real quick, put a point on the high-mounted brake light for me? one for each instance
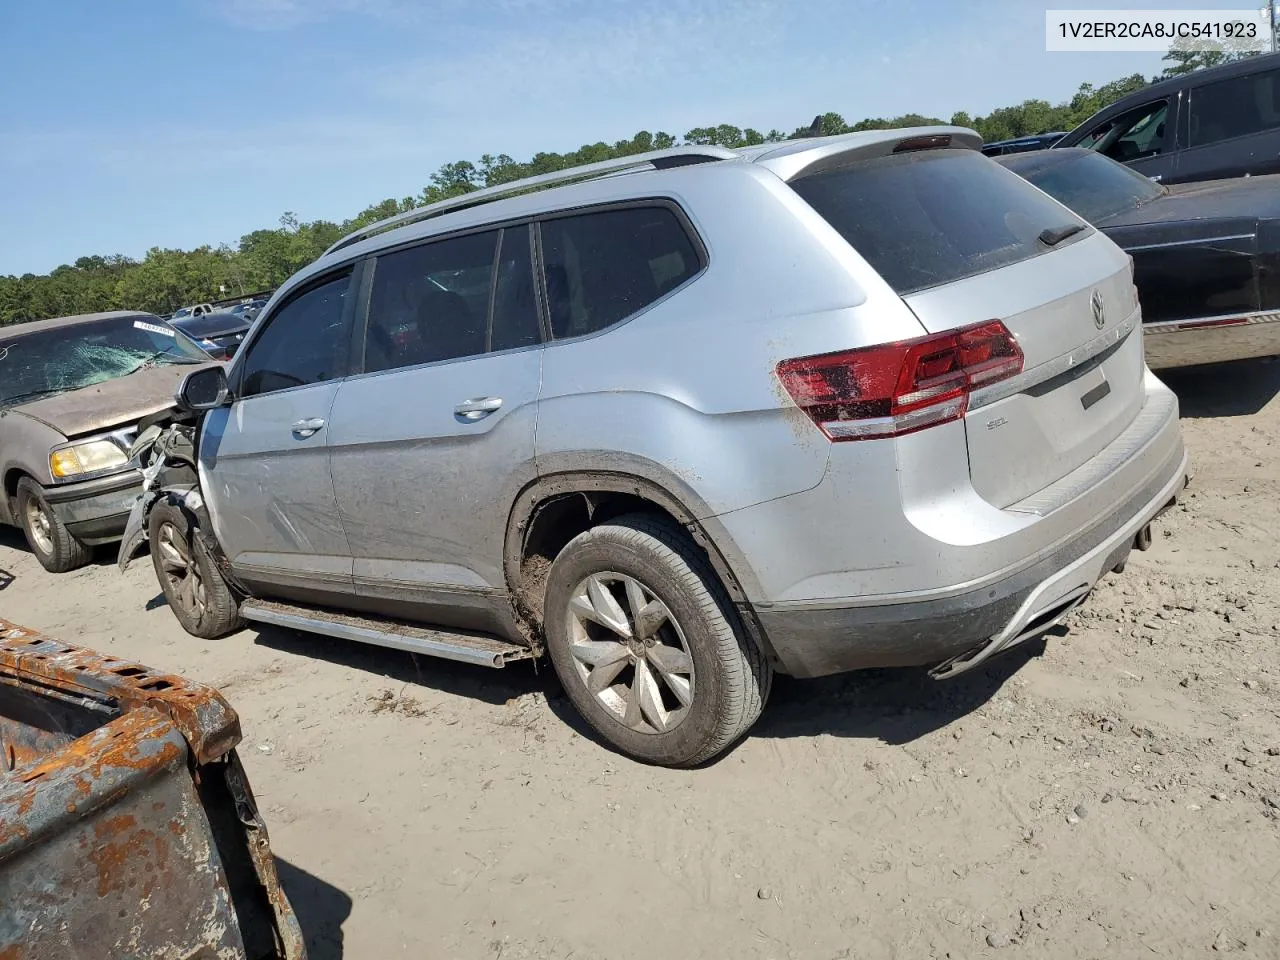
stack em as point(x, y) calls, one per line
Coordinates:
point(897, 388)
point(933, 142)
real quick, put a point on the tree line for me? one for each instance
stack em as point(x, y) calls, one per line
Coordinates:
point(164, 280)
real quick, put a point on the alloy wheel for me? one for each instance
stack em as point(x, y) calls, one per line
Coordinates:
point(630, 652)
point(181, 571)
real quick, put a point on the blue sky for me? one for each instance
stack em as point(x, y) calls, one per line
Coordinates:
point(138, 123)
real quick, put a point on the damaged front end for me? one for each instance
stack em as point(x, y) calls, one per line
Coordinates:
point(166, 451)
point(127, 826)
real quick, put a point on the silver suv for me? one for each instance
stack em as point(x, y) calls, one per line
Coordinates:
point(682, 421)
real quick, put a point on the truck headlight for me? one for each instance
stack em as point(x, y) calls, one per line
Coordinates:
point(89, 457)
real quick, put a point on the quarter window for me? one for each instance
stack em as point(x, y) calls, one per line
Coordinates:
point(1235, 108)
point(604, 266)
point(304, 342)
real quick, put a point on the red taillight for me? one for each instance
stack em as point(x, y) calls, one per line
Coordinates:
point(897, 388)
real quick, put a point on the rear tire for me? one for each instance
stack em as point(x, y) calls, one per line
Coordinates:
point(48, 537)
point(195, 589)
point(679, 680)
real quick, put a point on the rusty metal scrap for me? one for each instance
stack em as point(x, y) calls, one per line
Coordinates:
point(127, 826)
point(208, 723)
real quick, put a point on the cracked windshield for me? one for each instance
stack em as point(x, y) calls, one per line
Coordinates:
point(48, 362)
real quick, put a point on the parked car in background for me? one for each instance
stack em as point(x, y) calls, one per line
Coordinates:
point(199, 310)
point(220, 333)
point(1041, 141)
point(72, 391)
point(1206, 255)
point(1206, 125)
point(248, 310)
point(686, 419)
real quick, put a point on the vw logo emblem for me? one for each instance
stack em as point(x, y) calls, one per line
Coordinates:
point(1099, 314)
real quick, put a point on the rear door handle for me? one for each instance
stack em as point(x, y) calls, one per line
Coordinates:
point(478, 408)
point(307, 428)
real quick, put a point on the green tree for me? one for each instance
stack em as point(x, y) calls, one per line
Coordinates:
point(1185, 61)
point(167, 279)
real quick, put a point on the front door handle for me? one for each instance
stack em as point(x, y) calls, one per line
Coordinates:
point(478, 408)
point(307, 428)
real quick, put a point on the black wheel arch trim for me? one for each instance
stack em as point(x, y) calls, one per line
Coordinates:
point(708, 533)
point(689, 510)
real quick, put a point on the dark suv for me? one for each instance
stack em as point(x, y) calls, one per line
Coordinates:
point(1207, 125)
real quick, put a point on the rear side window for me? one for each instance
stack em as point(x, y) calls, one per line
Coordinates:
point(451, 299)
point(304, 342)
point(928, 218)
point(604, 266)
point(430, 302)
point(1235, 108)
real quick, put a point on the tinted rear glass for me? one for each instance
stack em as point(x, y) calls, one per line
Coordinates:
point(928, 218)
point(1235, 108)
point(602, 267)
point(1094, 186)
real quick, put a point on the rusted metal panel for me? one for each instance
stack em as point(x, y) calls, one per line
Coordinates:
point(127, 826)
point(206, 720)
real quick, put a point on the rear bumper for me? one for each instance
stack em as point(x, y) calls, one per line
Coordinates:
point(96, 511)
point(1188, 343)
point(814, 642)
point(1079, 531)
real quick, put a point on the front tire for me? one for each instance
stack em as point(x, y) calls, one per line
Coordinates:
point(48, 537)
point(647, 644)
point(195, 589)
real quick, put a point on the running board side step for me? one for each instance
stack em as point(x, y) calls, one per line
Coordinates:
point(445, 644)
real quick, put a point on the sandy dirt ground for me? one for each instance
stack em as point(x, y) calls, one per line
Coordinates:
point(1113, 791)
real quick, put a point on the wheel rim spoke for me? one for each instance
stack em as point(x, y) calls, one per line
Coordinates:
point(171, 557)
point(644, 691)
point(602, 677)
point(632, 716)
point(598, 653)
point(197, 592)
point(650, 617)
point(40, 525)
point(185, 594)
point(605, 609)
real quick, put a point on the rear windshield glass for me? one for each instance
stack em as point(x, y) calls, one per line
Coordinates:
point(927, 218)
point(1094, 186)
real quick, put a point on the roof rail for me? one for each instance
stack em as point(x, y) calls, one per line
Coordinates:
point(654, 160)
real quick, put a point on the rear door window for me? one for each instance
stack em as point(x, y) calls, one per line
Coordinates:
point(1235, 108)
point(451, 299)
point(932, 217)
point(430, 302)
point(602, 267)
